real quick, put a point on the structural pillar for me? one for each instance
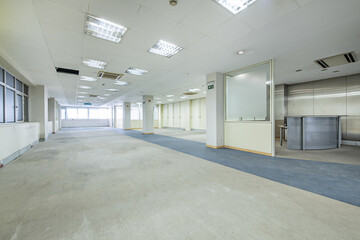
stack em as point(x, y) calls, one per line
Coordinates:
point(215, 110)
point(38, 109)
point(52, 113)
point(148, 115)
point(126, 116)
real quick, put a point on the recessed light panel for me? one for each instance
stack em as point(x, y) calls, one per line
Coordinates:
point(93, 63)
point(165, 49)
point(194, 89)
point(104, 29)
point(121, 83)
point(183, 97)
point(84, 87)
point(136, 71)
point(169, 95)
point(112, 90)
point(89, 79)
point(235, 6)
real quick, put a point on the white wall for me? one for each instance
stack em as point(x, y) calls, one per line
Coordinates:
point(14, 137)
point(74, 123)
point(190, 114)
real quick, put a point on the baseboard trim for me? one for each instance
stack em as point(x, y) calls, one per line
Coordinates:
point(215, 147)
point(18, 153)
point(248, 150)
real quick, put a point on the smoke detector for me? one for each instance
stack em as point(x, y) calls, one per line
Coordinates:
point(173, 2)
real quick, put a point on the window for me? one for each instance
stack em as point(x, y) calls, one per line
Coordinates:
point(18, 85)
point(14, 99)
point(26, 109)
point(1, 104)
point(135, 113)
point(10, 80)
point(248, 93)
point(10, 105)
point(19, 108)
point(71, 113)
point(83, 113)
point(63, 116)
point(1, 75)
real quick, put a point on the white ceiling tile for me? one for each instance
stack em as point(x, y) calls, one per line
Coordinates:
point(164, 8)
point(206, 16)
point(264, 12)
point(62, 36)
point(79, 5)
point(57, 15)
point(204, 45)
point(120, 12)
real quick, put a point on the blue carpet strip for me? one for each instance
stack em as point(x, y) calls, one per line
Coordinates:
point(333, 180)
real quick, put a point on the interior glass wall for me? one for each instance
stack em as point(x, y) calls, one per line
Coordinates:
point(68, 113)
point(248, 94)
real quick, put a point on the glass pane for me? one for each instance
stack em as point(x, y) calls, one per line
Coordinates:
point(247, 94)
point(94, 113)
point(10, 80)
point(18, 85)
point(26, 89)
point(71, 113)
point(1, 104)
point(103, 113)
point(63, 114)
point(135, 114)
point(1, 75)
point(10, 105)
point(26, 109)
point(82, 113)
point(19, 108)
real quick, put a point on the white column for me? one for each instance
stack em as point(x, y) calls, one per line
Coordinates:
point(148, 115)
point(38, 109)
point(52, 113)
point(160, 107)
point(126, 116)
point(215, 110)
point(115, 116)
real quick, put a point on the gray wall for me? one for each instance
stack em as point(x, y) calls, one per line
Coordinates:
point(335, 96)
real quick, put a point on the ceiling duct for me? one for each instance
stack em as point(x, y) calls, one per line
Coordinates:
point(337, 60)
point(190, 93)
point(109, 75)
point(67, 71)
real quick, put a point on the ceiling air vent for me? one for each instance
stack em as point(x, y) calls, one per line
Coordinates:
point(337, 60)
point(190, 93)
point(109, 75)
point(93, 96)
point(67, 70)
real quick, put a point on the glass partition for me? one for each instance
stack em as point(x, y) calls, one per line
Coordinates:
point(247, 94)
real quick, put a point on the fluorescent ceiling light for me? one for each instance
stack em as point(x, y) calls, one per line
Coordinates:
point(93, 63)
point(136, 71)
point(194, 89)
point(157, 98)
point(81, 96)
point(204, 92)
point(183, 97)
point(165, 49)
point(106, 94)
point(82, 92)
point(169, 95)
point(84, 87)
point(235, 6)
point(101, 98)
point(101, 28)
point(240, 52)
point(112, 90)
point(89, 79)
point(121, 83)
point(170, 100)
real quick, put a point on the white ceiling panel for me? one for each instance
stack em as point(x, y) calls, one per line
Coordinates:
point(176, 13)
point(120, 12)
point(79, 5)
point(63, 36)
point(264, 12)
point(206, 16)
point(59, 16)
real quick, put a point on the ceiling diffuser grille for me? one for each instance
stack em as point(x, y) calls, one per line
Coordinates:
point(190, 93)
point(337, 60)
point(109, 75)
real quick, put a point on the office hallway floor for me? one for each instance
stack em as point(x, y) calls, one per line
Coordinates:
point(102, 184)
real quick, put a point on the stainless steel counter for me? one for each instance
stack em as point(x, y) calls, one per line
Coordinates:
point(313, 132)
